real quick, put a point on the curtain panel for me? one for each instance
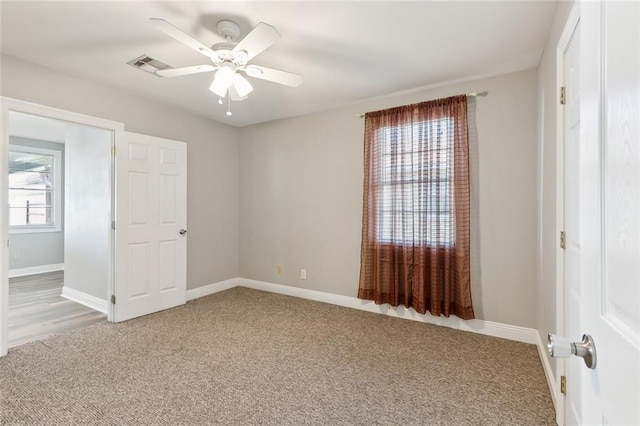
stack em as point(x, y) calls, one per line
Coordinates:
point(416, 208)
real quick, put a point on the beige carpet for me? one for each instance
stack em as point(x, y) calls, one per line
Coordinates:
point(249, 357)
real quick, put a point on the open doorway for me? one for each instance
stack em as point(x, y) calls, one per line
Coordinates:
point(43, 196)
point(151, 191)
point(60, 178)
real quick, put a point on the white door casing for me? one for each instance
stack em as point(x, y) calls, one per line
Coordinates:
point(610, 209)
point(151, 209)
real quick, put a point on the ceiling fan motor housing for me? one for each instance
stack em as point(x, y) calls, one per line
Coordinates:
point(228, 29)
point(224, 50)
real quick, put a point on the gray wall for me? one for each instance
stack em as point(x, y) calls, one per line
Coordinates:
point(301, 185)
point(213, 150)
point(87, 235)
point(301, 197)
point(547, 181)
point(38, 248)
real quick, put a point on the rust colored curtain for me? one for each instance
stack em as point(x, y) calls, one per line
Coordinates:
point(416, 208)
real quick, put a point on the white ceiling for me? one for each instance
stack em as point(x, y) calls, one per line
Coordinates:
point(346, 51)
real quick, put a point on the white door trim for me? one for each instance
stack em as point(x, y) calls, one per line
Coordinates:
point(563, 42)
point(10, 104)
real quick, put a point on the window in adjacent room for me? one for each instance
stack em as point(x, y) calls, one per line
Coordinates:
point(34, 194)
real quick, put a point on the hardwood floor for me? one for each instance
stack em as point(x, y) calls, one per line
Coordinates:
point(37, 309)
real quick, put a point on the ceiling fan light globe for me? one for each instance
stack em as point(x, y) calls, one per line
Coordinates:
point(233, 94)
point(225, 74)
point(219, 87)
point(242, 85)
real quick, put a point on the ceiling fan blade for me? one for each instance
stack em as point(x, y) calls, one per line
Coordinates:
point(176, 72)
point(276, 76)
point(260, 38)
point(176, 33)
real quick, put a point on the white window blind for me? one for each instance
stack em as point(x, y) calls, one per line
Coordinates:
point(415, 202)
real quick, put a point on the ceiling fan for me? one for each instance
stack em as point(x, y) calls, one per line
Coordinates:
point(230, 59)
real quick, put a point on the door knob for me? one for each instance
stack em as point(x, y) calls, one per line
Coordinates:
point(183, 232)
point(561, 347)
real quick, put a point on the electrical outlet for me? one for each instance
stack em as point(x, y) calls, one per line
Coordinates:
point(279, 269)
point(303, 274)
point(17, 256)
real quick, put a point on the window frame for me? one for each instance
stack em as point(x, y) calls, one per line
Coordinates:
point(56, 208)
point(384, 235)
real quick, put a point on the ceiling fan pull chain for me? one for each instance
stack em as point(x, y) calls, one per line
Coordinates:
point(220, 100)
point(229, 113)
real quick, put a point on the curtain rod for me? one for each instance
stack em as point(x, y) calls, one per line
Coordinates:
point(472, 94)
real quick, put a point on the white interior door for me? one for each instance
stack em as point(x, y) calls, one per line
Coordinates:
point(571, 195)
point(610, 210)
point(151, 212)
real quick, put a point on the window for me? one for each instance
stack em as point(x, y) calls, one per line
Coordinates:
point(416, 202)
point(34, 195)
point(415, 178)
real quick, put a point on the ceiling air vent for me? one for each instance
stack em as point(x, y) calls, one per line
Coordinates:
point(148, 64)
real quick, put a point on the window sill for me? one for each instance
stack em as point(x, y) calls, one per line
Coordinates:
point(34, 229)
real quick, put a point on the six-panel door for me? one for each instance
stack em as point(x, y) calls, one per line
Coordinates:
point(151, 209)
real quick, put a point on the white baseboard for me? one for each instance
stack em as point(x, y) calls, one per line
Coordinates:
point(489, 328)
point(85, 299)
point(551, 380)
point(511, 332)
point(22, 272)
point(211, 288)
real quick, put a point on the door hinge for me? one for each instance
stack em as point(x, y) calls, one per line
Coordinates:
point(113, 225)
point(563, 385)
point(563, 95)
point(113, 150)
point(563, 239)
point(113, 299)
